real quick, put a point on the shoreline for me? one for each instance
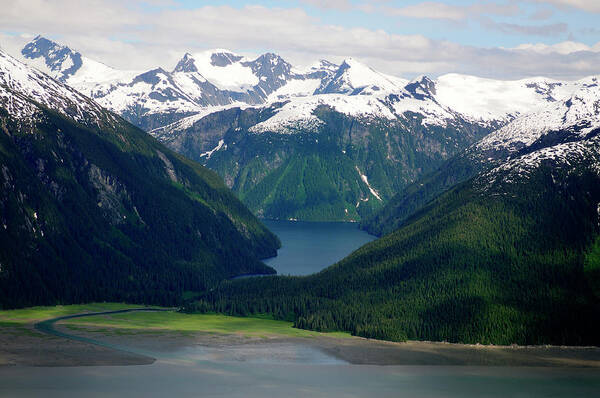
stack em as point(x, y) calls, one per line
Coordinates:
point(62, 341)
point(55, 351)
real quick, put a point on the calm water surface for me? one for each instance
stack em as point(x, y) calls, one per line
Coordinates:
point(179, 378)
point(308, 247)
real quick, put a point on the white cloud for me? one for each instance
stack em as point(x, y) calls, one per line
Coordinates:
point(554, 29)
point(481, 12)
point(13, 43)
point(564, 48)
point(124, 35)
point(329, 4)
point(439, 10)
point(432, 10)
point(586, 5)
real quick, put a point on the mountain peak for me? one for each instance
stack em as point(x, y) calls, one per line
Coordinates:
point(58, 60)
point(222, 58)
point(354, 77)
point(421, 87)
point(271, 57)
point(354, 63)
point(186, 64)
point(325, 64)
point(422, 79)
point(21, 84)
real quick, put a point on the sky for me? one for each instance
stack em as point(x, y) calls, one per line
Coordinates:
point(505, 39)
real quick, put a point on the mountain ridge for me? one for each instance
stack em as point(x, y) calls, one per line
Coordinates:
point(92, 208)
point(247, 118)
point(231, 78)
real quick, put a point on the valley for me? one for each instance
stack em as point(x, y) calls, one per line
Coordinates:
point(327, 142)
point(238, 224)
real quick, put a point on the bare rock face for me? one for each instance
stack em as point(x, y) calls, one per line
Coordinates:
point(168, 166)
point(113, 197)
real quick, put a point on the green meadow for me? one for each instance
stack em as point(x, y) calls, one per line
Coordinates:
point(36, 314)
point(159, 321)
point(208, 323)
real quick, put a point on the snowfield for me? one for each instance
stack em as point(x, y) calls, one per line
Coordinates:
point(205, 82)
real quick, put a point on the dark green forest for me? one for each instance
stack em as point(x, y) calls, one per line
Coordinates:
point(508, 263)
point(108, 213)
point(316, 175)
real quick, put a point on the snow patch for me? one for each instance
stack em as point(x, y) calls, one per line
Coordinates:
point(208, 154)
point(366, 181)
point(234, 77)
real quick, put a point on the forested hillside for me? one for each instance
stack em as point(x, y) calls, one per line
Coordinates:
point(509, 256)
point(344, 169)
point(93, 208)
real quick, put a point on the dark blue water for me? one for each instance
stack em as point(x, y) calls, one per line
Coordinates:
point(308, 247)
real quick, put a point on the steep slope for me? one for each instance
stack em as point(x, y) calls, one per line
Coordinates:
point(509, 256)
point(568, 120)
point(331, 142)
point(363, 137)
point(92, 208)
point(323, 157)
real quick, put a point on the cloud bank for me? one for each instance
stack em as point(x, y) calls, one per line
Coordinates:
point(132, 35)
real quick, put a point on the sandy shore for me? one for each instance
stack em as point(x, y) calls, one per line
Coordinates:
point(35, 349)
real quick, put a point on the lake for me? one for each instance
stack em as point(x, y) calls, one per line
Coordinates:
point(308, 247)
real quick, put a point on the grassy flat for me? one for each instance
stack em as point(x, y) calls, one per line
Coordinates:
point(158, 321)
point(209, 323)
point(36, 314)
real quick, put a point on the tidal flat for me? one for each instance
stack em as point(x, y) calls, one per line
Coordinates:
point(214, 356)
point(133, 338)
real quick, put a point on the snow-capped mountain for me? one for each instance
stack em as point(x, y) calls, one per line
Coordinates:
point(354, 78)
point(248, 119)
point(490, 103)
point(71, 67)
point(157, 97)
point(20, 83)
point(77, 181)
point(561, 135)
point(390, 118)
point(240, 78)
point(489, 100)
point(218, 78)
point(569, 119)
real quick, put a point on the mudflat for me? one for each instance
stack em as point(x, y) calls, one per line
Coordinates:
point(241, 347)
point(22, 345)
point(137, 338)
